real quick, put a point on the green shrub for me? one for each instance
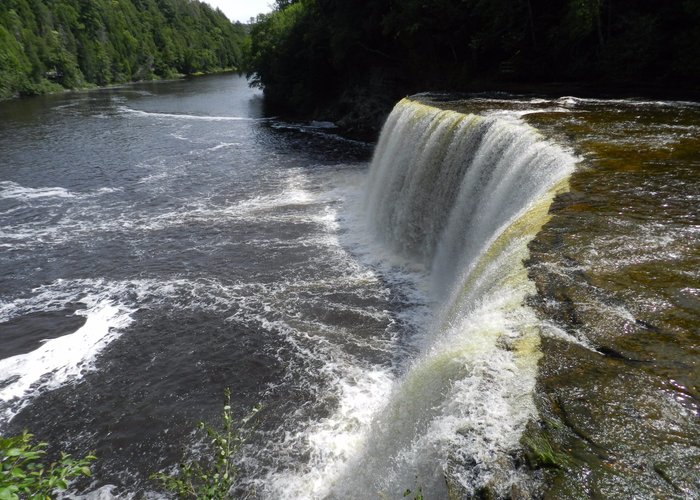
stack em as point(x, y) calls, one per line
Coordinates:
point(212, 476)
point(23, 474)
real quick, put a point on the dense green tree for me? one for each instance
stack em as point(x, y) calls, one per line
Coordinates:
point(15, 65)
point(48, 44)
point(335, 54)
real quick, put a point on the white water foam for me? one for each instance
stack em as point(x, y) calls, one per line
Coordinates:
point(354, 388)
point(516, 114)
point(462, 195)
point(12, 190)
point(551, 330)
point(572, 101)
point(61, 360)
point(137, 112)
point(331, 441)
point(90, 217)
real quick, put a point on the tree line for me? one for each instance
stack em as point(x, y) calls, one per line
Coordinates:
point(46, 45)
point(312, 54)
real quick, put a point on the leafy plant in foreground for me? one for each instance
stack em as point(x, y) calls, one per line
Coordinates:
point(213, 476)
point(24, 475)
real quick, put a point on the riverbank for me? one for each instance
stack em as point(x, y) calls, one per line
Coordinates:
point(49, 88)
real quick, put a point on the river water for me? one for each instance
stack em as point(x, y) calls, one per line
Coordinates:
point(162, 242)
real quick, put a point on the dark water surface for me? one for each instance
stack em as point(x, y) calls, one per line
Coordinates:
point(188, 245)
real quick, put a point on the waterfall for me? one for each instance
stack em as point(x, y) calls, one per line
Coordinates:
point(463, 195)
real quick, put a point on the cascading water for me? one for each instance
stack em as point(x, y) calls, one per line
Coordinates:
point(462, 195)
point(383, 330)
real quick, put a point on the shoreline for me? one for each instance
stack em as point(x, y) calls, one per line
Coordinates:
point(176, 77)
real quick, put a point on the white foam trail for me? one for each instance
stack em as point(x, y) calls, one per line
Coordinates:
point(224, 145)
point(106, 190)
point(179, 137)
point(551, 330)
point(572, 101)
point(138, 112)
point(61, 360)
point(516, 115)
point(12, 190)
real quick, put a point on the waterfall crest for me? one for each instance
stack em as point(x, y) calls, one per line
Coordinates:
point(463, 195)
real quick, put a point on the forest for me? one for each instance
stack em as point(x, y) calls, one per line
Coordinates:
point(350, 60)
point(46, 45)
point(355, 58)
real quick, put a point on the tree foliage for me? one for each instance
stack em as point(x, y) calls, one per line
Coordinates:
point(49, 44)
point(308, 53)
point(24, 474)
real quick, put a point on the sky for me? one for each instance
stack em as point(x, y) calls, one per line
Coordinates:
point(241, 10)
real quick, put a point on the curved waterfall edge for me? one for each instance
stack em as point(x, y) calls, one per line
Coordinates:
point(464, 195)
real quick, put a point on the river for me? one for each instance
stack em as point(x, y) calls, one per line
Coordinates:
point(162, 242)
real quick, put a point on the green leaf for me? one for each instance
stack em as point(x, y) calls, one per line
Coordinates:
point(7, 494)
point(18, 473)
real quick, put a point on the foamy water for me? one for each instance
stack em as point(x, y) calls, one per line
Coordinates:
point(61, 360)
